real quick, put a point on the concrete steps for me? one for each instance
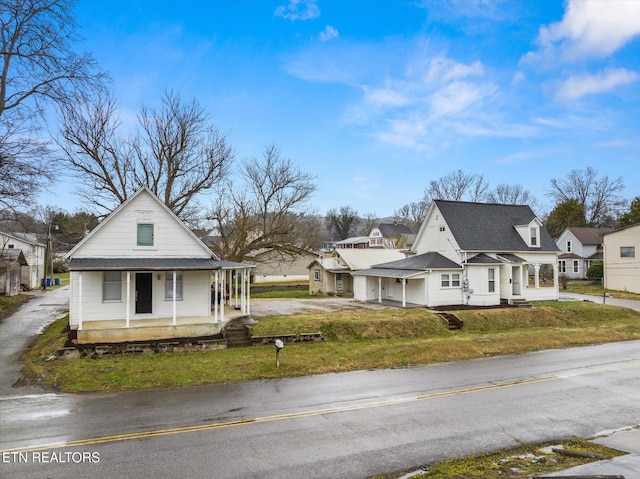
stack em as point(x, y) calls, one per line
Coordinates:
point(237, 336)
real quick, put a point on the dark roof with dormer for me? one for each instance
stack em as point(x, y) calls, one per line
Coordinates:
point(491, 227)
point(394, 230)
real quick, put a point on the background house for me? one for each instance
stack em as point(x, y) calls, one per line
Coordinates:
point(355, 242)
point(331, 274)
point(271, 264)
point(391, 235)
point(621, 260)
point(579, 248)
point(468, 253)
point(11, 263)
point(32, 272)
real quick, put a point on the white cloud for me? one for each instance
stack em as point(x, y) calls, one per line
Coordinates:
point(457, 97)
point(444, 70)
point(578, 86)
point(588, 29)
point(385, 97)
point(298, 10)
point(329, 33)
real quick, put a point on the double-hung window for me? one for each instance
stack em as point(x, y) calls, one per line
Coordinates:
point(168, 285)
point(111, 286)
point(492, 280)
point(444, 280)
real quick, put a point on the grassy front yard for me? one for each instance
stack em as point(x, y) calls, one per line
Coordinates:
point(587, 287)
point(354, 341)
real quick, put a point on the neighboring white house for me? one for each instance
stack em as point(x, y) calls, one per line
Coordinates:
point(579, 248)
point(33, 252)
point(331, 274)
point(272, 264)
point(622, 259)
point(141, 274)
point(391, 235)
point(468, 253)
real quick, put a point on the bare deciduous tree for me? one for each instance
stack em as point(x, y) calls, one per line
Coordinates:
point(457, 186)
point(598, 197)
point(413, 214)
point(38, 67)
point(367, 223)
point(176, 152)
point(512, 195)
point(343, 222)
point(268, 207)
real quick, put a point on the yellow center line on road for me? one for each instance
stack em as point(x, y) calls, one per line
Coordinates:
point(316, 412)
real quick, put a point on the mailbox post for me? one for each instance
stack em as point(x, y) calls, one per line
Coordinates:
point(279, 345)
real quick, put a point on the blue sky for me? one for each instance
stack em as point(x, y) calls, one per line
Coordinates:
point(377, 98)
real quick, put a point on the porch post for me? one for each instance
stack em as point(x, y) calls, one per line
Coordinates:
point(79, 300)
point(128, 302)
point(223, 292)
point(174, 297)
point(379, 289)
point(236, 288)
point(536, 272)
point(404, 292)
point(215, 296)
point(249, 293)
point(242, 300)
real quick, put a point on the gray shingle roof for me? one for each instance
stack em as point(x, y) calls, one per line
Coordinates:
point(490, 227)
point(590, 236)
point(393, 230)
point(405, 268)
point(483, 259)
point(421, 262)
point(150, 264)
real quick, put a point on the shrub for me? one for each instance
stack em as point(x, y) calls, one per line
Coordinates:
point(596, 270)
point(563, 280)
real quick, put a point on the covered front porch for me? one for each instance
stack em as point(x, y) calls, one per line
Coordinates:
point(155, 299)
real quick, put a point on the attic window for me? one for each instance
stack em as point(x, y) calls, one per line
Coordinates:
point(145, 234)
point(10, 246)
point(442, 228)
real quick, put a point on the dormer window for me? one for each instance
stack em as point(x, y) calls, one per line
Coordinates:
point(534, 236)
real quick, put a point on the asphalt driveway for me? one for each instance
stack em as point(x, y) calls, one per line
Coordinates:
point(20, 329)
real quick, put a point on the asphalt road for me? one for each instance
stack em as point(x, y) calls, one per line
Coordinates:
point(351, 425)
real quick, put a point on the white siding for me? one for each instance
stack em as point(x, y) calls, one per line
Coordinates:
point(196, 297)
point(435, 235)
point(116, 238)
point(622, 273)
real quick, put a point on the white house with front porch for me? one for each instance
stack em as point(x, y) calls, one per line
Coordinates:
point(477, 254)
point(142, 275)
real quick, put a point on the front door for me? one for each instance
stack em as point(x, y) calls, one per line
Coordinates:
point(144, 292)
